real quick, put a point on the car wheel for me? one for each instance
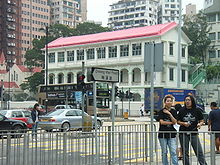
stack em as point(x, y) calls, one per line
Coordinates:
point(65, 127)
point(17, 131)
point(99, 124)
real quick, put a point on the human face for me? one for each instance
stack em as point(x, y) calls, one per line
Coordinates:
point(188, 102)
point(168, 103)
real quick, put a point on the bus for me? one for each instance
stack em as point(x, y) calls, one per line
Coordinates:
point(68, 94)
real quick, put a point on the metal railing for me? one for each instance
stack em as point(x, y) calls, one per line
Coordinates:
point(131, 146)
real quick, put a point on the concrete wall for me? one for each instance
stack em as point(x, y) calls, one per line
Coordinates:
point(19, 105)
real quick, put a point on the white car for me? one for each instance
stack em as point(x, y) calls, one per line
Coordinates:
point(64, 107)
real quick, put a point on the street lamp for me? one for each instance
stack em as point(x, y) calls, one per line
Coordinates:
point(46, 67)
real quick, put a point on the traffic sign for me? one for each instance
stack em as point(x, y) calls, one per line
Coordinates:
point(103, 74)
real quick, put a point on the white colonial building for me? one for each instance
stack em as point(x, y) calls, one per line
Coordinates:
point(122, 50)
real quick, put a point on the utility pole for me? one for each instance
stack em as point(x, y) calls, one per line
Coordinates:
point(179, 46)
point(2, 86)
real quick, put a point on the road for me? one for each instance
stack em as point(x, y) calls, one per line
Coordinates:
point(131, 145)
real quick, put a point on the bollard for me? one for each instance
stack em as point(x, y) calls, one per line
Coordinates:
point(125, 113)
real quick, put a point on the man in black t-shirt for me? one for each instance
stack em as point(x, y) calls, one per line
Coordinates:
point(214, 124)
point(190, 119)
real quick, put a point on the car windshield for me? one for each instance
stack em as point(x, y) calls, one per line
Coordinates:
point(3, 112)
point(55, 113)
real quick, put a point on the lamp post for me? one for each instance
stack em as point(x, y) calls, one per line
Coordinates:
point(46, 70)
point(179, 46)
point(46, 66)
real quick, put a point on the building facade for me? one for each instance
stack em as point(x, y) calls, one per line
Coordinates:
point(190, 9)
point(133, 13)
point(212, 9)
point(35, 15)
point(65, 12)
point(122, 50)
point(168, 11)
point(10, 27)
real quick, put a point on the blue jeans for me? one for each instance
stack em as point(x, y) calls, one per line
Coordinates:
point(34, 129)
point(171, 143)
point(196, 145)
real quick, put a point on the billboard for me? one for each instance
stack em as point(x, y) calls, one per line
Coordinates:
point(208, 3)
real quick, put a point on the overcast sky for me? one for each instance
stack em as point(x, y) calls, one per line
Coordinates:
point(98, 9)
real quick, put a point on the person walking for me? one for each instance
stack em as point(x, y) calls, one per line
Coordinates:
point(141, 110)
point(190, 119)
point(35, 118)
point(214, 124)
point(167, 119)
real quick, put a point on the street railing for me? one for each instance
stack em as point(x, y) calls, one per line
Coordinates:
point(131, 146)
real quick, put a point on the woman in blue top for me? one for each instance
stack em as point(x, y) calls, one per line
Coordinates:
point(167, 118)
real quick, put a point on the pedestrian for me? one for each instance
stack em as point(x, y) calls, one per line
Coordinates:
point(214, 124)
point(141, 110)
point(35, 118)
point(190, 119)
point(167, 119)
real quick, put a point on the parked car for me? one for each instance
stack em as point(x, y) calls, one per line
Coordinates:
point(14, 126)
point(66, 119)
point(19, 114)
point(64, 107)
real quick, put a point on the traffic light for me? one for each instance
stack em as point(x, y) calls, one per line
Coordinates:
point(128, 95)
point(116, 91)
point(80, 81)
point(121, 95)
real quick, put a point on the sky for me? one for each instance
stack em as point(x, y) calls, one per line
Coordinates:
point(98, 9)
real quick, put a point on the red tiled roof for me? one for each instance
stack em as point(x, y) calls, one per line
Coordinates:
point(23, 68)
point(146, 31)
point(3, 71)
point(12, 85)
point(36, 69)
point(2, 58)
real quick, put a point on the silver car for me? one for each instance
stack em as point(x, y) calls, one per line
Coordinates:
point(66, 119)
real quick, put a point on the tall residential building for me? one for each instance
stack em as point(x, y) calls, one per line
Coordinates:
point(190, 9)
point(83, 9)
point(10, 21)
point(35, 16)
point(65, 12)
point(168, 11)
point(133, 13)
point(212, 9)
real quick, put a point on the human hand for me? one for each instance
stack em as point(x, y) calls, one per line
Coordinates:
point(186, 124)
point(199, 125)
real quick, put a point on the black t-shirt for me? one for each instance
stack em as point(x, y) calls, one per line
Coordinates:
point(214, 116)
point(168, 128)
point(192, 116)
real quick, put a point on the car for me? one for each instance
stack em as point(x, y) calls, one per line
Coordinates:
point(14, 126)
point(19, 114)
point(63, 107)
point(67, 119)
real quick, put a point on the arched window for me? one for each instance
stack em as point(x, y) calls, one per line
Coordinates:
point(51, 79)
point(60, 78)
point(136, 75)
point(69, 77)
point(137, 97)
point(124, 76)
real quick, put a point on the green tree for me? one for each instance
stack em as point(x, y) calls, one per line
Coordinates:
point(197, 29)
point(89, 28)
point(33, 81)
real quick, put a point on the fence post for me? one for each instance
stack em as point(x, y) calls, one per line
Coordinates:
point(146, 142)
point(8, 152)
point(64, 148)
point(109, 145)
point(121, 149)
point(212, 152)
